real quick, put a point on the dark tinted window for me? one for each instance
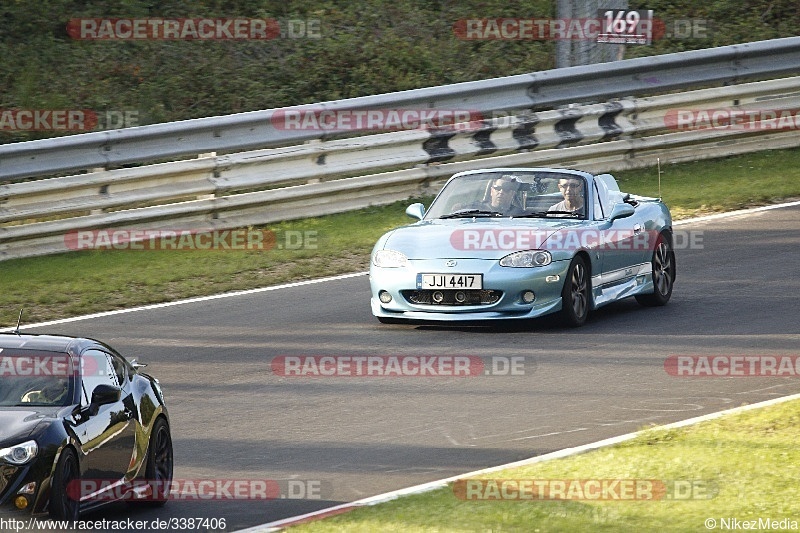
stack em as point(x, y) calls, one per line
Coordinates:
point(97, 370)
point(36, 378)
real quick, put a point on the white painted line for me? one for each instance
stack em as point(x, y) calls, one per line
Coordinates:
point(740, 212)
point(186, 301)
point(442, 483)
point(334, 278)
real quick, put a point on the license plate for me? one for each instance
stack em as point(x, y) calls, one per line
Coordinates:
point(449, 281)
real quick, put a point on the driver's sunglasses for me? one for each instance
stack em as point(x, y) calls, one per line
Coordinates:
point(501, 188)
point(571, 185)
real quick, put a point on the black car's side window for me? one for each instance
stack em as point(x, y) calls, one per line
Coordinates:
point(119, 369)
point(97, 370)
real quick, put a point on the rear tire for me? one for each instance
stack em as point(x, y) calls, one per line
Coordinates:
point(575, 294)
point(63, 505)
point(663, 274)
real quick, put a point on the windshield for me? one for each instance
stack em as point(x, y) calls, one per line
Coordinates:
point(512, 194)
point(36, 379)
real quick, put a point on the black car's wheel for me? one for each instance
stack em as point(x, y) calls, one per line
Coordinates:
point(575, 294)
point(159, 463)
point(663, 274)
point(64, 500)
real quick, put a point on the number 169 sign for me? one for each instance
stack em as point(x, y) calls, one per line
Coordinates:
point(625, 26)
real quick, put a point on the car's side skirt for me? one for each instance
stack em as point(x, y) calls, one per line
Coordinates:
point(621, 283)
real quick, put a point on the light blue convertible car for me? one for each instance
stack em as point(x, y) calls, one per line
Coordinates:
point(515, 243)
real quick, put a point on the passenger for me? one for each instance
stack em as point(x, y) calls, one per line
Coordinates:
point(572, 189)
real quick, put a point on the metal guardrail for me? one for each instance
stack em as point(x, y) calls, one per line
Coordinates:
point(246, 131)
point(222, 175)
point(270, 185)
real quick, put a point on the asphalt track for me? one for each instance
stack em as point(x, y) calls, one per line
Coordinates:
point(232, 418)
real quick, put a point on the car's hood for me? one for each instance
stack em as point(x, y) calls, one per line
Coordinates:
point(16, 424)
point(479, 238)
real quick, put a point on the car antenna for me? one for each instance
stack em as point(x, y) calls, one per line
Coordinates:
point(658, 161)
point(19, 320)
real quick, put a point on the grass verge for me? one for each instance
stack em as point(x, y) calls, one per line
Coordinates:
point(86, 282)
point(741, 467)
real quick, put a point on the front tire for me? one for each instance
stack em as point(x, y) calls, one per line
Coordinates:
point(575, 294)
point(159, 463)
point(64, 499)
point(663, 274)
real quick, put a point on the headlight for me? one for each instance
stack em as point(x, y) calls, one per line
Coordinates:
point(389, 259)
point(527, 259)
point(19, 454)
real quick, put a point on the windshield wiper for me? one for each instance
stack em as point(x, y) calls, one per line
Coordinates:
point(472, 213)
point(543, 214)
point(537, 214)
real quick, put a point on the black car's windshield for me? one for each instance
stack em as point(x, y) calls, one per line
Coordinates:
point(530, 194)
point(35, 379)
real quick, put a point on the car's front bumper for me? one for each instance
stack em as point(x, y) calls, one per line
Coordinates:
point(18, 478)
point(545, 282)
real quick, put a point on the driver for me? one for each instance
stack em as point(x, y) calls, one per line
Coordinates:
point(52, 393)
point(500, 196)
point(502, 193)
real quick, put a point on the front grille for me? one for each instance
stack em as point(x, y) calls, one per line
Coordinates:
point(453, 297)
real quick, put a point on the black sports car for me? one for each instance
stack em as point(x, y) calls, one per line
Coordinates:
point(77, 422)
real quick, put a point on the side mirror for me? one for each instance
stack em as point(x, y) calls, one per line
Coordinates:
point(621, 210)
point(416, 211)
point(104, 395)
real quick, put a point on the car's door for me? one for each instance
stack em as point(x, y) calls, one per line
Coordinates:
point(106, 433)
point(624, 239)
point(131, 400)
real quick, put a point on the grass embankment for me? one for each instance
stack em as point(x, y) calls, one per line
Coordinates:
point(91, 281)
point(743, 467)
